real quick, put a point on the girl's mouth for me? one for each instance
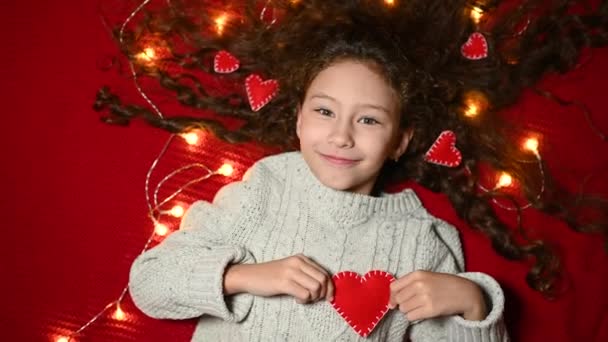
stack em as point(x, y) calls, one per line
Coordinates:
point(338, 160)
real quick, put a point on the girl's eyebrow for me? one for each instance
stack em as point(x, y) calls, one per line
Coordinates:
point(364, 105)
point(323, 96)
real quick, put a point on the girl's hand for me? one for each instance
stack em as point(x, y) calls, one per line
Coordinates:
point(297, 276)
point(423, 294)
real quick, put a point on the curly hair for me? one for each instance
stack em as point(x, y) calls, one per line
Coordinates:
point(415, 46)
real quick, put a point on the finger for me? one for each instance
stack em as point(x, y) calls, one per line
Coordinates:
point(406, 294)
point(319, 275)
point(407, 280)
point(410, 304)
point(313, 285)
point(315, 265)
point(418, 313)
point(300, 293)
point(330, 290)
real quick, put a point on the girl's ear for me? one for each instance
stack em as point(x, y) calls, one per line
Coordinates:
point(402, 143)
point(298, 123)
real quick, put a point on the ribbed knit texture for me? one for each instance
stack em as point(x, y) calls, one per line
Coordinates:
point(280, 209)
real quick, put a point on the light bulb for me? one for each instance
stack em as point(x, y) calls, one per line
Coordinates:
point(504, 180)
point(119, 314)
point(191, 138)
point(147, 56)
point(472, 110)
point(161, 229)
point(226, 170)
point(177, 211)
point(475, 103)
point(476, 14)
point(531, 144)
point(389, 2)
point(62, 339)
point(220, 23)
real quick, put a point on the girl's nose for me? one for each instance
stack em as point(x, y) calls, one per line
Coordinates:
point(341, 136)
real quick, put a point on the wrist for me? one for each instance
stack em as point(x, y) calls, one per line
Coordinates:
point(476, 313)
point(477, 310)
point(234, 279)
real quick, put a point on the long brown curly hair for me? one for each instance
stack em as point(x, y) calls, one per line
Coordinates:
point(415, 45)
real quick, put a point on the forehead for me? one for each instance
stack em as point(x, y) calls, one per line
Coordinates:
point(354, 82)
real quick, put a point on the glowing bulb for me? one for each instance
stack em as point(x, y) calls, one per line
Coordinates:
point(220, 23)
point(226, 170)
point(148, 55)
point(119, 314)
point(191, 138)
point(177, 211)
point(472, 110)
point(531, 144)
point(504, 180)
point(476, 14)
point(161, 229)
point(475, 103)
point(62, 339)
point(389, 2)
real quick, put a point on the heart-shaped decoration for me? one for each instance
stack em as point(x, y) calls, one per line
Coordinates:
point(476, 47)
point(260, 92)
point(443, 151)
point(224, 62)
point(362, 301)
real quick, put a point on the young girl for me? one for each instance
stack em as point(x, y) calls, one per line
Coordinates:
point(367, 90)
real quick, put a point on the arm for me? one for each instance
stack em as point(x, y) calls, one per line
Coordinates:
point(440, 251)
point(183, 276)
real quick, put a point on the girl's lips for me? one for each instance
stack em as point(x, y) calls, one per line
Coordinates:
point(338, 161)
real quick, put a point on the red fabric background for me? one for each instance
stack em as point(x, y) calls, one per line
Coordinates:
point(74, 213)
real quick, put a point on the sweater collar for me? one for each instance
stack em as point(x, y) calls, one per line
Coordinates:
point(348, 208)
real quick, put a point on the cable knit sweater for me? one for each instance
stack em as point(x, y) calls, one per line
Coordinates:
point(280, 209)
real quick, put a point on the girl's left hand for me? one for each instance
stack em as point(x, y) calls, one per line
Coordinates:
point(424, 294)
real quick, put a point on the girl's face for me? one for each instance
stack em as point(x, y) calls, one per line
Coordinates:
point(348, 125)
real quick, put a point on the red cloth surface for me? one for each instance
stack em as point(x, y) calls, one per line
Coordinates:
point(74, 214)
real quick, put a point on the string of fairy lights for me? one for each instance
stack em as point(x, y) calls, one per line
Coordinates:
point(474, 105)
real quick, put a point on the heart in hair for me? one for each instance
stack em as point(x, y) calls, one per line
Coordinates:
point(476, 47)
point(260, 92)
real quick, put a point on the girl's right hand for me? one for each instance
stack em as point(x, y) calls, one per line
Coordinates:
point(297, 276)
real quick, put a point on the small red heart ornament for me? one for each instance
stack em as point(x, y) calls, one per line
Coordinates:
point(362, 301)
point(260, 92)
point(224, 62)
point(476, 47)
point(443, 151)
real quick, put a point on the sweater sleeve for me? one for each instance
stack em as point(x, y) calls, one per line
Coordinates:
point(182, 277)
point(439, 250)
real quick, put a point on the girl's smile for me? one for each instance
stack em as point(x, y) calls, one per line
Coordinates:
point(339, 161)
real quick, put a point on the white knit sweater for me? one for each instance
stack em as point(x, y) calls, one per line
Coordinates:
point(280, 209)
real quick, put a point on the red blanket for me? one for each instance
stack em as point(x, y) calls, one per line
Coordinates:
point(74, 216)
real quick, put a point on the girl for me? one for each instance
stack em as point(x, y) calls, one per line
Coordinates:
point(367, 90)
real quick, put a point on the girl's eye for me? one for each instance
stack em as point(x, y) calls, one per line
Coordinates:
point(369, 121)
point(323, 111)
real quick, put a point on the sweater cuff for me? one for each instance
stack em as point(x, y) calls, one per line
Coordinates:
point(206, 284)
point(492, 328)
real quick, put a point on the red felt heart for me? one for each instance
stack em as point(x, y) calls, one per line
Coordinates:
point(476, 47)
point(225, 63)
point(443, 151)
point(362, 301)
point(260, 92)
